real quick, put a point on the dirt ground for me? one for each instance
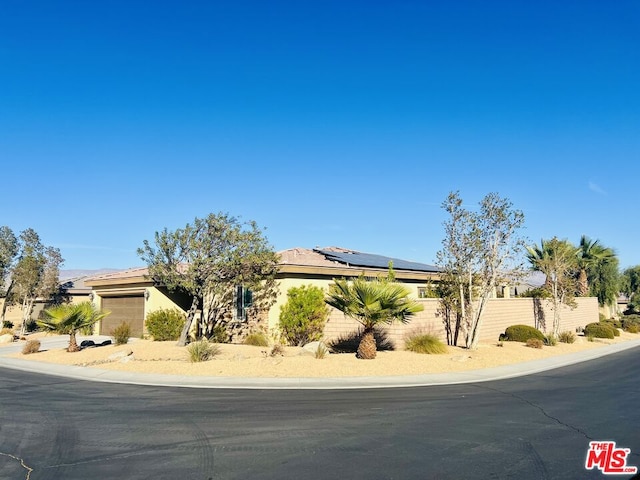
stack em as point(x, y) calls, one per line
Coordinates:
point(250, 361)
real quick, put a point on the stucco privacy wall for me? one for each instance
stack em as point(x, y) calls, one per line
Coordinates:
point(499, 314)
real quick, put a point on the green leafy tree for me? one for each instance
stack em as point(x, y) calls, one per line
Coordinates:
point(35, 275)
point(9, 249)
point(558, 260)
point(303, 317)
point(208, 260)
point(630, 286)
point(69, 319)
point(479, 250)
point(372, 302)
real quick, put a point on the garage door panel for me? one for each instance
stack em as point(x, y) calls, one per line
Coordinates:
point(128, 309)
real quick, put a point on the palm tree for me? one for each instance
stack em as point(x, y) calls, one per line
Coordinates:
point(372, 302)
point(557, 259)
point(71, 318)
point(591, 254)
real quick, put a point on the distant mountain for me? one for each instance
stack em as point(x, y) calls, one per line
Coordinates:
point(66, 274)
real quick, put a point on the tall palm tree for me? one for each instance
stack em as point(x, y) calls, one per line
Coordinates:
point(591, 254)
point(370, 303)
point(68, 319)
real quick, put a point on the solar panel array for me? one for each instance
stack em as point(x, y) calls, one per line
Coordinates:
point(359, 259)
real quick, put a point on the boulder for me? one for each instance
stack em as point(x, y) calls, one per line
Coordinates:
point(6, 338)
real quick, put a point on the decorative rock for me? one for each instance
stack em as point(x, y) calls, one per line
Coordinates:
point(311, 348)
point(118, 356)
point(7, 338)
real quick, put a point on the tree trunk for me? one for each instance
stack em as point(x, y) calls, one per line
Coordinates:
point(367, 347)
point(187, 325)
point(583, 283)
point(73, 344)
point(4, 304)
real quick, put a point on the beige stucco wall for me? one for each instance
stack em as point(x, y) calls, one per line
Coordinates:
point(500, 313)
point(285, 284)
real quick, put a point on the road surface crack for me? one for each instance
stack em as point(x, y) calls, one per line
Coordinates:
point(24, 465)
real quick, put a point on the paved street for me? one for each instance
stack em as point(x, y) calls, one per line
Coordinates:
point(530, 427)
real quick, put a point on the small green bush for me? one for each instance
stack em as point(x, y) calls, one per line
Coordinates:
point(630, 321)
point(613, 322)
point(550, 340)
point(303, 317)
point(32, 346)
point(164, 324)
point(121, 333)
point(202, 350)
point(220, 334)
point(7, 324)
point(599, 330)
point(257, 339)
point(534, 343)
point(567, 337)
point(632, 329)
point(522, 333)
point(425, 343)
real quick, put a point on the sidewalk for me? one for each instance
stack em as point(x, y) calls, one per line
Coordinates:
point(472, 376)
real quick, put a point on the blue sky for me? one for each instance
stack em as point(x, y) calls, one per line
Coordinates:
point(328, 123)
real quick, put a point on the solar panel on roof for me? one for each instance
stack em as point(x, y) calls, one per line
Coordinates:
point(360, 259)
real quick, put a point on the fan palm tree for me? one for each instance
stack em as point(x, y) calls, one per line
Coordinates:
point(370, 303)
point(590, 254)
point(71, 318)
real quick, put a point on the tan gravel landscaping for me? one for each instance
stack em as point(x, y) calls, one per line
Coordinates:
point(249, 361)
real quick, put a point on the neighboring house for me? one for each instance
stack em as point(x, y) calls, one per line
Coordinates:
point(72, 290)
point(130, 295)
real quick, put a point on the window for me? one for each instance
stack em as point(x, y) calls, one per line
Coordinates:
point(422, 292)
point(244, 300)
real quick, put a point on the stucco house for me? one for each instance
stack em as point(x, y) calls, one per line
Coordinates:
point(130, 295)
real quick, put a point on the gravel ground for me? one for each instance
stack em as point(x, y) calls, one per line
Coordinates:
point(249, 361)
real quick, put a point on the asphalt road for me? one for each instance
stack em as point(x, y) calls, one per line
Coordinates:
point(534, 427)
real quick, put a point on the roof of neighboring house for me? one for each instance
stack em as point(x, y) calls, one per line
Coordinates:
point(75, 285)
point(131, 275)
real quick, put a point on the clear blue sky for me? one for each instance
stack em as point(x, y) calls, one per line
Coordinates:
point(328, 123)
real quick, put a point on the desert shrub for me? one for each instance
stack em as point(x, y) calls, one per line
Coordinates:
point(591, 338)
point(7, 324)
point(31, 325)
point(522, 333)
point(219, 334)
point(550, 340)
point(599, 330)
point(165, 324)
point(567, 337)
point(425, 343)
point(534, 343)
point(630, 321)
point(277, 350)
point(321, 351)
point(257, 339)
point(632, 329)
point(6, 331)
point(121, 333)
point(613, 322)
point(348, 343)
point(32, 346)
point(202, 350)
point(601, 317)
point(303, 317)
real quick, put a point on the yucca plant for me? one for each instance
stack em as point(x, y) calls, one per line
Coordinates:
point(69, 319)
